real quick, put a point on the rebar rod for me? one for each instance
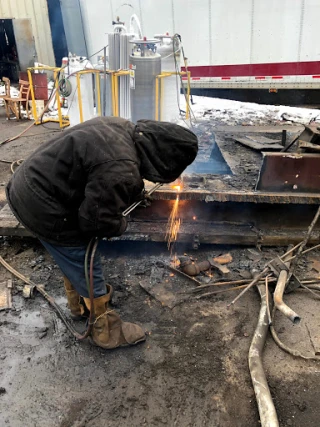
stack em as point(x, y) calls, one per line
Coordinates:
point(302, 245)
point(261, 275)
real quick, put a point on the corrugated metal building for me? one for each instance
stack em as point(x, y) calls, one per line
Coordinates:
point(37, 12)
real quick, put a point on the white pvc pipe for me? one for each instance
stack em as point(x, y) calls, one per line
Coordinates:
point(135, 19)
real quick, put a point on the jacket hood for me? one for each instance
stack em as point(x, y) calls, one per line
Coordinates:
point(165, 149)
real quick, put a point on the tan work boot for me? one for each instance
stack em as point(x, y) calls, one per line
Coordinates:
point(109, 331)
point(77, 309)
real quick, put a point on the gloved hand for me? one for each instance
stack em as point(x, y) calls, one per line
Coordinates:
point(146, 200)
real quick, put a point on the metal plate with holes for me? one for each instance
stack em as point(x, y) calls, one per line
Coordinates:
point(290, 172)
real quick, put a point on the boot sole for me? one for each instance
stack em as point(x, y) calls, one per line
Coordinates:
point(77, 317)
point(119, 346)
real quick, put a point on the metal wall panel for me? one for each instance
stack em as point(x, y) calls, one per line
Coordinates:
point(37, 11)
point(230, 31)
point(25, 43)
point(276, 30)
point(97, 22)
point(309, 50)
point(191, 21)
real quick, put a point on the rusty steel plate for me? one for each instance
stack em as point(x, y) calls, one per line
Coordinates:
point(290, 172)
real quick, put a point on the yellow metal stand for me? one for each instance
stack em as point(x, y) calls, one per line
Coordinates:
point(159, 100)
point(116, 75)
point(63, 121)
point(97, 78)
point(114, 89)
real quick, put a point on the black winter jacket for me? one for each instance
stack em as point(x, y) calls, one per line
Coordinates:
point(76, 186)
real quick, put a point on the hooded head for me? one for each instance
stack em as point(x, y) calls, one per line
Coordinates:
point(165, 149)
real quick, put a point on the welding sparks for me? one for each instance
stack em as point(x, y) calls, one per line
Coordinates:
point(174, 223)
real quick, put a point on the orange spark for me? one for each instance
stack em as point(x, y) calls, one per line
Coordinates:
point(177, 187)
point(174, 223)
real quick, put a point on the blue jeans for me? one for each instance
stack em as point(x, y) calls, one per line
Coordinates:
point(71, 262)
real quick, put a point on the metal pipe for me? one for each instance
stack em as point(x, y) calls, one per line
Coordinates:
point(136, 20)
point(98, 93)
point(34, 108)
point(161, 99)
point(188, 96)
point(267, 411)
point(79, 98)
point(303, 244)
point(157, 99)
point(116, 93)
point(55, 76)
point(120, 27)
point(113, 95)
point(278, 295)
point(104, 80)
point(264, 272)
point(134, 205)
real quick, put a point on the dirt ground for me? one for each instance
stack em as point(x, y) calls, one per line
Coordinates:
point(191, 371)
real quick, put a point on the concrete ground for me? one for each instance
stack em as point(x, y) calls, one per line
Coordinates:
point(191, 371)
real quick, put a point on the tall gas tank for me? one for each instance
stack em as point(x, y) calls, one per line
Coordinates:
point(169, 49)
point(77, 64)
point(145, 65)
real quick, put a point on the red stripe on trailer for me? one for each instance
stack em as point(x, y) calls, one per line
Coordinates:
point(259, 78)
point(195, 78)
point(225, 78)
point(277, 77)
point(316, 77)
point(251, 70)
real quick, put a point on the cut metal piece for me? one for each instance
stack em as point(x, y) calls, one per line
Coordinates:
point(289, 172)
point(260, 144)
point(311, 134)
point(5, 294)
point(164, 292)
point(279, 290)
point(309, 146)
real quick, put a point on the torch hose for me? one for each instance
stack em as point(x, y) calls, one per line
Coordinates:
point(91, 251)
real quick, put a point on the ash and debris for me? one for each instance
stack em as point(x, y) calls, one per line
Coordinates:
point(192, 369)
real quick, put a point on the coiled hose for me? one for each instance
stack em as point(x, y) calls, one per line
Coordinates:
point(64, 87)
